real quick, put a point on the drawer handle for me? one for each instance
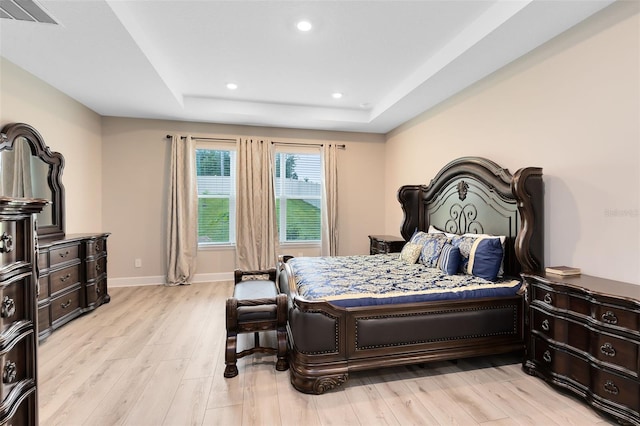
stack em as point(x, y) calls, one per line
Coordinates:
point(9, 373)
point(609, 317)
point(547, 298)
point(6, 243)
point(545, 325)
point(611, 388)
point(66, 304)
point(8, 307)
point(65, 254)
point(607, 349)
point(546, 356)
point(98, 267)
point(98, 247)
point(66, 277)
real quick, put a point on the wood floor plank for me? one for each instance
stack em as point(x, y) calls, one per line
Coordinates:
point(155, 355)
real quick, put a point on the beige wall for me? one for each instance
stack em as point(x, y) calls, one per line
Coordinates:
point(570, 107)
point(67, 127)
point(135, 169)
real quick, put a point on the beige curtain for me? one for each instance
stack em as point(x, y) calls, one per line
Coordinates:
point(16, 171)
point(256, 225)
point(329, 200)
point(182, 227)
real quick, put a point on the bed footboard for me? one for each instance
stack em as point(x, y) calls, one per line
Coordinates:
point(328, 342)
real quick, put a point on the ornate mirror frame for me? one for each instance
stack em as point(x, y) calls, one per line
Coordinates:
point(12, 132)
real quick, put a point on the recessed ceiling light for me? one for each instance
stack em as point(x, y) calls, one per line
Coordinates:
point(336, 95)
point(232, 86)
point(304, 26)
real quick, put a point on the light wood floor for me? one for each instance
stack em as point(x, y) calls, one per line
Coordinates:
point(154, 356)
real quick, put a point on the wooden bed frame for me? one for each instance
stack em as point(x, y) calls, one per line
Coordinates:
point(469, 194)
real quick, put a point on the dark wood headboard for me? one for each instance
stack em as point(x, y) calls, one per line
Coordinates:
point(476, 195)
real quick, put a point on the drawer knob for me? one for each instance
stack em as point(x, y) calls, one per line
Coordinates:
point(547, 298)
point(65, 254)
point(98, 267)
point(8, 307)
point(545, 325)
point(66, 304)
point(9, 372)
point(608, 350)
point(66, 277)
point(6, 243)
point(611, 388)
point(609, 317)
point(546, 356)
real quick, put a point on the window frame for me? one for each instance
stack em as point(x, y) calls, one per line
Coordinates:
point(221, 144)
point(292, 149)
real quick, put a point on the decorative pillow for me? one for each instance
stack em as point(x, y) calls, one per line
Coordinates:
point(410, 253)
point(419, 237)
point(502, 240)
point(434, 230)
point(479, 256)
point(449, 259)
point(431, 248)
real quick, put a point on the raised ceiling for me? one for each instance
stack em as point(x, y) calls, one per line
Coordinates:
point(391, 60)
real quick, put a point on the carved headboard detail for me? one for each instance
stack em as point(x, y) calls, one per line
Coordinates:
point(475, 195)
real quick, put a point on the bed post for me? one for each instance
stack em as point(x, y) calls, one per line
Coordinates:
point(528, 189)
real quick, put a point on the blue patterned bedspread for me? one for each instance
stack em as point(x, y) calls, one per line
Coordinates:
point(382, 279)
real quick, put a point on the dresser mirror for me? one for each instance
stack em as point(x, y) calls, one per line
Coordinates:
point(28, 169)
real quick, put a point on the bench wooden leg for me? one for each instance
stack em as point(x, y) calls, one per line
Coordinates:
point(230, 357)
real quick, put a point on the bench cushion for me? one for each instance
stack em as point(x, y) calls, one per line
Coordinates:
point(254, 289)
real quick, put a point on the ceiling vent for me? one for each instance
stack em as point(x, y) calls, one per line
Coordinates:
point(24, 10)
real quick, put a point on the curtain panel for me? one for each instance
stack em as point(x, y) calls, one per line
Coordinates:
point(182, 226)
point(329, 222)
point(256, 224)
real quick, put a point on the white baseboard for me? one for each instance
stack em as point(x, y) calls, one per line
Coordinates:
point(161, 279)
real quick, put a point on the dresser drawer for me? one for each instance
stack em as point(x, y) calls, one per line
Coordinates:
point(547, 296)
point(611, 315)
point(617, 388)
point(13, 306)
point(44, 318)
point(96, 267)
point(551, 359)
point(65, 304)
point(12, 247)
point(96, 247)
point(64, 254)
point(617, 351)
point(16, 364)
point(64, 278)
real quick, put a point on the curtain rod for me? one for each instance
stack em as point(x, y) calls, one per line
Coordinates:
point(272, 142)
point(204, 139)
point(305, 144)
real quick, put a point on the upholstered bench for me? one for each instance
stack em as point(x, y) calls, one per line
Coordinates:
point(256, 306)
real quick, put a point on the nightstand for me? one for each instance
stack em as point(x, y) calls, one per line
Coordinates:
point(385, 244)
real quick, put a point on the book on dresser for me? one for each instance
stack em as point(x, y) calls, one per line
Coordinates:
point(562, 270)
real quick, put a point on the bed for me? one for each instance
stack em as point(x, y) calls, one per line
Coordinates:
point(332, 333)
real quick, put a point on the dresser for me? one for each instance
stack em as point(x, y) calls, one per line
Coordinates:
point(18, 287)
point(385, 244)
point(73, 279)
point(583, 335)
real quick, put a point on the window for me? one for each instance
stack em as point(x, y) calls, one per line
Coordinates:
point(298, 189)
point(216, 180)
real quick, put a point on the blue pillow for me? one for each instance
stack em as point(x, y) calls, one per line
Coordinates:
point(485, 258)
point(485, 251)
point(449, 259)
